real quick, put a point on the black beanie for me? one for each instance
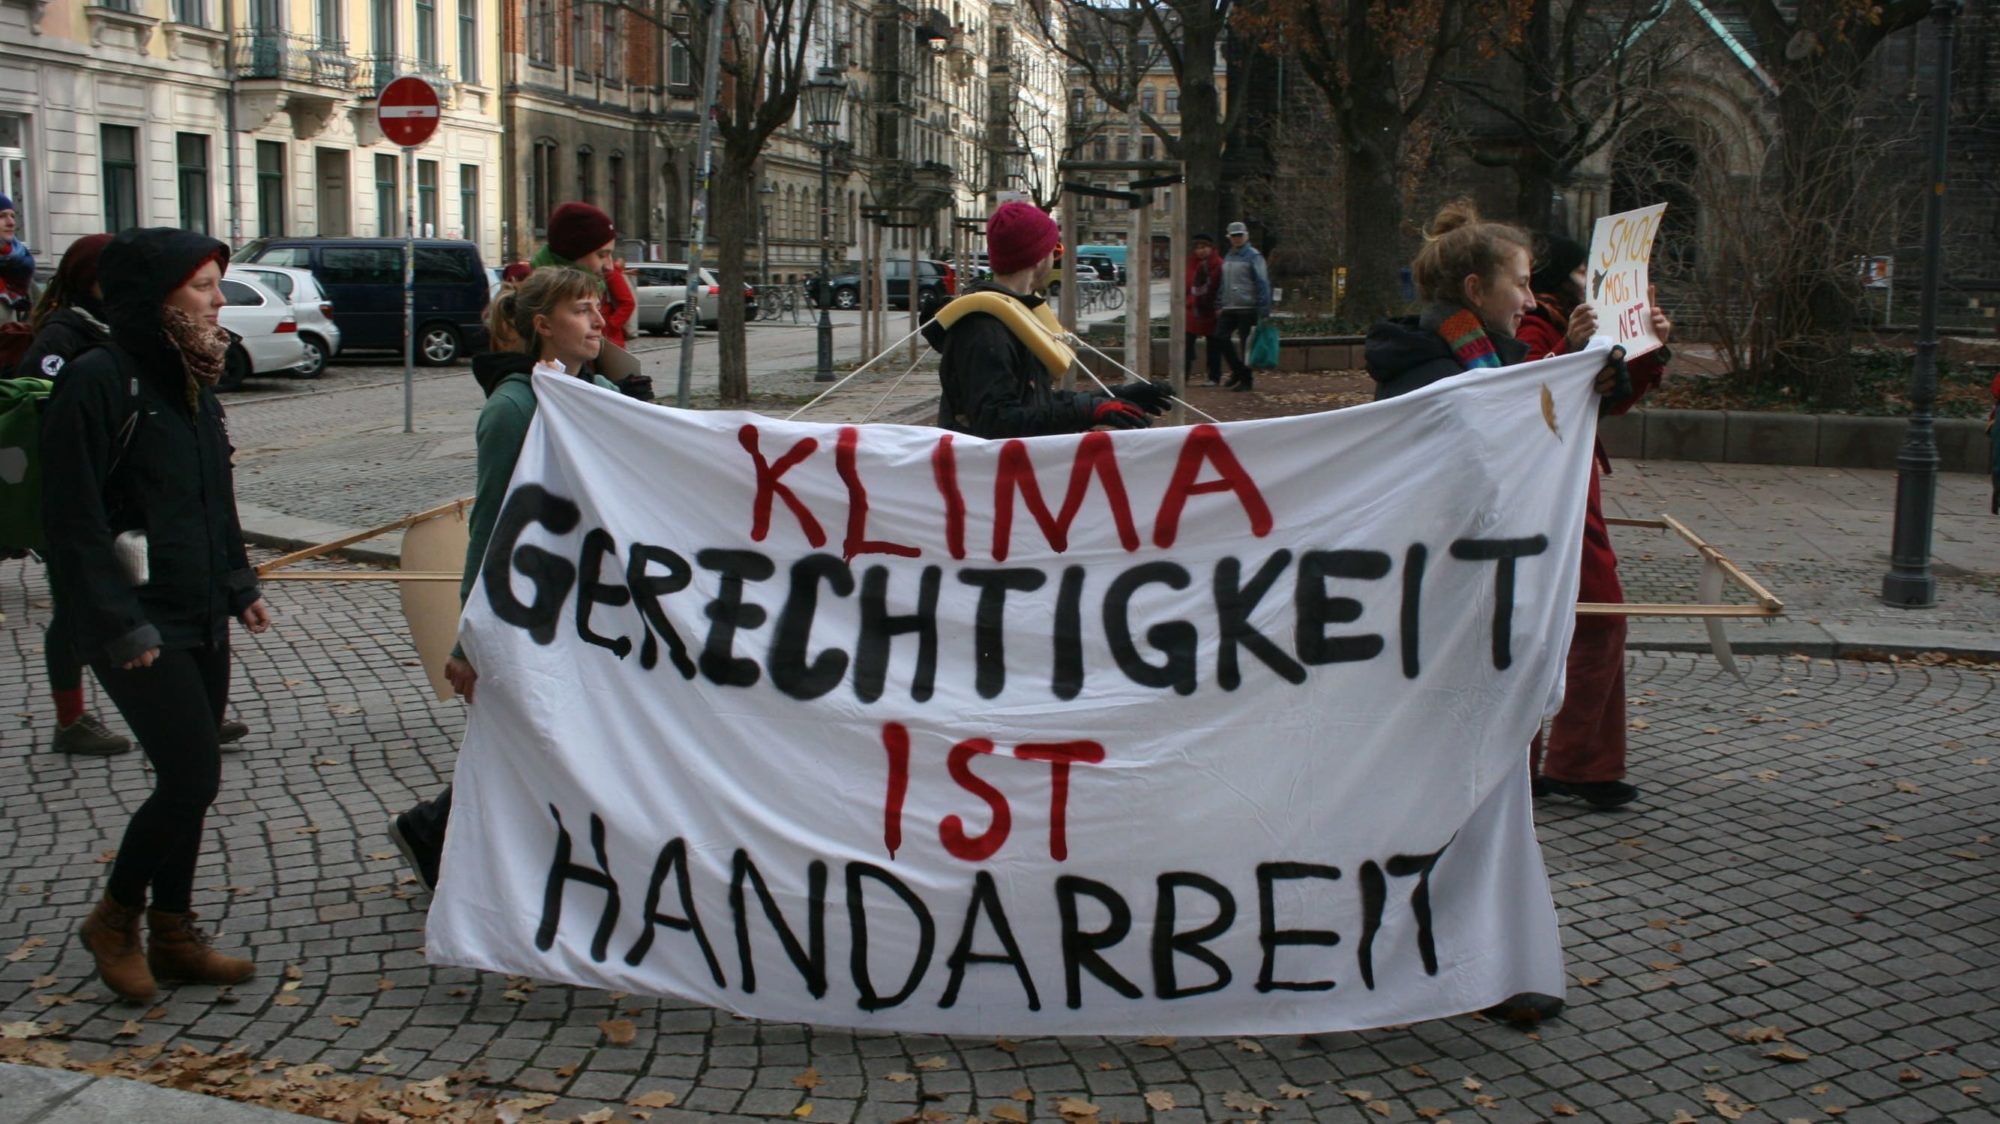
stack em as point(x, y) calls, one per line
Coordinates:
point(1556, 257)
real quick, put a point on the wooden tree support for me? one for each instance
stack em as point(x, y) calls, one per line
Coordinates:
point(278, 569)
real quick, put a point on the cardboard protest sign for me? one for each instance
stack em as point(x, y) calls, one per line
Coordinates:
point(1620, 287)
point(1204, 730)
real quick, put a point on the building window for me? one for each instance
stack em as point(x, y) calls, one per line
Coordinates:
point(332, 25)
point(194, 12)
point(385, 195)
point(266, 16)
point(586, 175)
point(382, 27)
point(579, 39)
point(116, 5)
point(1100, 149)
point(614, 181)
point(270, 189)
point(1148, 100)
point(1173, 99)
point(120, 162)
point(1124, 148)
point(541, 185)
point(427, 31)
point(680, 63)
point(541, 32)
point(1145, 148)
point(468, 40)
point(1076, 104)
point(468, 201)
point(191, 162)
point(427, 198)
point(614, 54)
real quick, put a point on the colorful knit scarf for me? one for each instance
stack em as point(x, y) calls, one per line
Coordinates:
point(1467, 337)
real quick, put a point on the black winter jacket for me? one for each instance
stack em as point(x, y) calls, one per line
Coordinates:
point(172, 480)
point(1407, 352)
point(993, 386)
point(65, 335)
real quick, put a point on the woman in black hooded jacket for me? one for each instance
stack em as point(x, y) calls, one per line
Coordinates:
point(147, 559)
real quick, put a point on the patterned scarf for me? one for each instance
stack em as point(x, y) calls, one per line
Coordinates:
point(201, 347)
point(1465, 334)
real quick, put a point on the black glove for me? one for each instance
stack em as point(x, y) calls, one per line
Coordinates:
point(1152, 397)
point(636, 386)
point(1117, 413)
point(1614, 382)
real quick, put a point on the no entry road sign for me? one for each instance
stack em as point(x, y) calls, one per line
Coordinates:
point(408, 111)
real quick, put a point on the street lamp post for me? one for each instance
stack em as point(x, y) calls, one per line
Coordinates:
point(1909, 583)
point(824, 95)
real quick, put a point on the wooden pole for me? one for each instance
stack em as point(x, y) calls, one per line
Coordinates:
point(915, 293)
point(1139, 277)
point(881, 298)
point(1066, 302)
point(310, 552)
point(1177, 343)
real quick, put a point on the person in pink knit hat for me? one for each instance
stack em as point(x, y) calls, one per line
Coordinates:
point(996, 381)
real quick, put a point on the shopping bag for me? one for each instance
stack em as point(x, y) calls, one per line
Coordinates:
point(1264, 347)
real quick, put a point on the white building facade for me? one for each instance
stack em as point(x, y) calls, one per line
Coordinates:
point(243, 118)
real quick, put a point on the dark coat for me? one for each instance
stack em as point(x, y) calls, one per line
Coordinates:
point(65, 335)
point(994, 387)
point(172, 480)
point(1406, 352)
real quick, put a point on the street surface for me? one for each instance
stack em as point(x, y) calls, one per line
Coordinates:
point(1813, 853)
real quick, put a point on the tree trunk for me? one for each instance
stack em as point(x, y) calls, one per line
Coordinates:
point(1534, 172)
point(1202, 132)
point(731, 202)
point(1372, 198)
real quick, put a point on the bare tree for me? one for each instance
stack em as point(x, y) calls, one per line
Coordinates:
point(763, 71)
point(1115, 45)
point(1379, 65)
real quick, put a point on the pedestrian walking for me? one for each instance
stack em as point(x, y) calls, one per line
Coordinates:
point(17, 266)
point(1000, 353)
point(1476, 278)
point(1204, 288)
point(146, 559)
point(1583, 756)
point(581, 236)
point(1244, 303)
point(499, 336)
point(558, 314)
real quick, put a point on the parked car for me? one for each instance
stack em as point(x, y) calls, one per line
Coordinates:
point(263, 333)
point(937, 282)
point(660, 288)
point(317, 331)
point(363, 277)
point(1107, 269)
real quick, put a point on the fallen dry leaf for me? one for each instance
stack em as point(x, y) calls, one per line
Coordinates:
point(899, 1077)
point(1243, 1101)
point(1473, 1084)
point(130, 1027)
point(807, 1080)
point(1293, 1092)
point(803, 1111)
point(346, 1020)
point(1905, 786)
point(1160, 1101)
point(294, 972)
point(1379, 1108)
point(378, 1059)
point(1909, 1075)
point(1788, 1054)
point(932, 1063)
point(1010, 1113)
point(285, 999)
point(1361, 1095)
point(1023, 1094)
point(1561, 1109)
point(1073, 1108)
point(1161, 1040)
point(619, 1032)
point(1249, 1046)
point(25, 949)
point(1756, 1034)
point(658, 1098)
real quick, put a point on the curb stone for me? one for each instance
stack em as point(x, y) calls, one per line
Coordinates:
point(31, 1095)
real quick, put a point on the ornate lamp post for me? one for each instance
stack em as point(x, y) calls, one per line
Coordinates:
point(825, 95)
point(1909, 584)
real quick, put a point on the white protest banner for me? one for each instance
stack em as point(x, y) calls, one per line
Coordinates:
point(1204, 730)
point(1621, 254)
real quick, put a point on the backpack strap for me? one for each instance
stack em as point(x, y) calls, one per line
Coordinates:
point(1037, 327)
point(129, 428)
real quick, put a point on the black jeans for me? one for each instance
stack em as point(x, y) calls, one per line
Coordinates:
point(1214, 357)
point(428, 820)
point(1231, 323)
point(59, 656)
point(174, 708)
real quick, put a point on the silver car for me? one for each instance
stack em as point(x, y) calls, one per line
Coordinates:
point(263, 332)
point(660, 289)
point(317, 331)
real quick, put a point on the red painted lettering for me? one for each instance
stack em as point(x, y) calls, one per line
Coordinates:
point(952, 831)
point(895, 739)
point(944, 468)
point(857, 503)
point(1205, 444)
point(1016, 473)
point(1060, 756)
point(769, 484)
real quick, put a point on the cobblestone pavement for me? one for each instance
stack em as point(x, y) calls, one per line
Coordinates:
point(1813, 853)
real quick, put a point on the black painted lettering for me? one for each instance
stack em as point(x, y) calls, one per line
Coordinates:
point(986, 900)
point(1504, 552)
point(857, 923)
point(551, 574)
point(563, 871)
point(673, 861)
point(590, 593)
point(990, 621)
point(1272, 938)
point(808, 958)
point(1316, 609)
point(879, 629)
point(1083, 951)
point(1234, 604)
point(1177, 640)
point(728, 612)
point(647, 588)
point(790, 670)
point(1168, 942)
point(1066, 681)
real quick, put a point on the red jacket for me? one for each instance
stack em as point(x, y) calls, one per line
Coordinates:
point(619, 309)
point(1545, 330)
point(1204, 284)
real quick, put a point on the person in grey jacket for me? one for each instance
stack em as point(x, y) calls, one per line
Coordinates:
point(1245, 302)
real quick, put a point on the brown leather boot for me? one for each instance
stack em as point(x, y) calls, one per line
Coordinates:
point(179, 950)
point(111, 933)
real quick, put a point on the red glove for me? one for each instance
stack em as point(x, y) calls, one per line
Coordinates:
point(1119, 414)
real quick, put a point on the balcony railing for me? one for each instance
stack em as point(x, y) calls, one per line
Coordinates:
point(377, 71)
point(294, 58)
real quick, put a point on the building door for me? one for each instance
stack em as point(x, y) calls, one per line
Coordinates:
point(14, 173)
point(330, 187)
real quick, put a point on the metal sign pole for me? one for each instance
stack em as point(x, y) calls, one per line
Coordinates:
point(409, 289)
point(698, 228)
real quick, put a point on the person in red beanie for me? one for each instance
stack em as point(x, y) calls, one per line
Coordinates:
point(995, 372)
point(581, 236)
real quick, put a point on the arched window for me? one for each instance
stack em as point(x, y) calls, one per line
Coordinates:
point(586, 175)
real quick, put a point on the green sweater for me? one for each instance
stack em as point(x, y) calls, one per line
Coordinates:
point(499, 435)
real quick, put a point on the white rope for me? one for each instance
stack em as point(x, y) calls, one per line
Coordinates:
point(855, 372)
point(1074, 338)
point(892, 389)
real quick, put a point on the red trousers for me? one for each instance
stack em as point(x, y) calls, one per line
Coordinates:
point(1586, 742)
